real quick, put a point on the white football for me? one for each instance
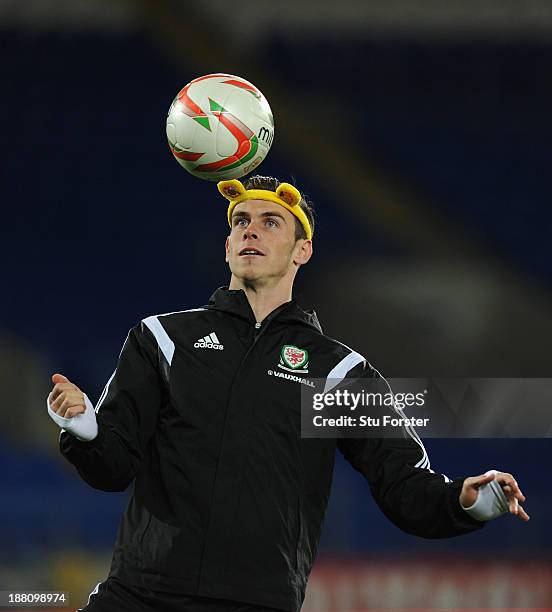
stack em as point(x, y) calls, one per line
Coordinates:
point(220, 126)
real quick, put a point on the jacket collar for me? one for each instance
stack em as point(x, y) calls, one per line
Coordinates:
point(235, 301)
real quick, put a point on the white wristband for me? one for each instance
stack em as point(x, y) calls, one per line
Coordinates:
point(490, 503)
point(83, 426)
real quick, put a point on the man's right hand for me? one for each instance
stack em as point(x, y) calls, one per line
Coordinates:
point(71, 409)
point(66, 399)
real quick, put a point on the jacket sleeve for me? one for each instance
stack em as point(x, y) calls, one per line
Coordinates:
point(127, 414)
point(406, 489)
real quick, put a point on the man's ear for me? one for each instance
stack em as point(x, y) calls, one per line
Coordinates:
point(303, 252)
point(226, 246)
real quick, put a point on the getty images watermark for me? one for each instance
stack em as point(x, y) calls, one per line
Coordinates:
point(343, 398)
point(434, 407)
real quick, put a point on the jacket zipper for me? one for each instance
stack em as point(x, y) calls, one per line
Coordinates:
point(257, 327)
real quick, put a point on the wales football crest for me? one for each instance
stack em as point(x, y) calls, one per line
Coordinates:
point(294, 359)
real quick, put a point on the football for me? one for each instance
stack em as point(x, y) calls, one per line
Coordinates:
point(220, 126)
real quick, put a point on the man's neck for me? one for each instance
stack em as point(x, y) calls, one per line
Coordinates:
point(263, 300)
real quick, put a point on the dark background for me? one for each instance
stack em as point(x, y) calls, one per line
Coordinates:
point(422, 136)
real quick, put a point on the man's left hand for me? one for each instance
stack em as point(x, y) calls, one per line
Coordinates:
point(471, 486)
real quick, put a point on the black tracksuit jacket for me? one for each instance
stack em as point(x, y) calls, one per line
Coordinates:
point(228, 499)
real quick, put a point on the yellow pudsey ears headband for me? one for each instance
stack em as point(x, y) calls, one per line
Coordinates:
point(286, 195)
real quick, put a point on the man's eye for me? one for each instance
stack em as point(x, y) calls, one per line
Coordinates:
point(241, 222)
point(271, 223)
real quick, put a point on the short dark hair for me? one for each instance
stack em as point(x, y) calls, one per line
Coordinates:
point(271, 184)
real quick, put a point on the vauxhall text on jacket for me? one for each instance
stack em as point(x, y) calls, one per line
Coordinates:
point(229, 500)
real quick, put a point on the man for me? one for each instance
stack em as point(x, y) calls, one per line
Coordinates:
point(228, 500)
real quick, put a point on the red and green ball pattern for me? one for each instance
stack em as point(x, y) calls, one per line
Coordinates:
point(247, 141)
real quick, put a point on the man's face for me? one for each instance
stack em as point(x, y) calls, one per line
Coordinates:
point(261, 246)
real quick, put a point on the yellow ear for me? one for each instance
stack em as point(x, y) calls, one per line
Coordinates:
point(289, 194)
point(231, 189)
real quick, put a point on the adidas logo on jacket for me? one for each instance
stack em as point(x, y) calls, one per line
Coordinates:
point(211, 342)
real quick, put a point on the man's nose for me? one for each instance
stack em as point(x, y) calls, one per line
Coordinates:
point(250, 232)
